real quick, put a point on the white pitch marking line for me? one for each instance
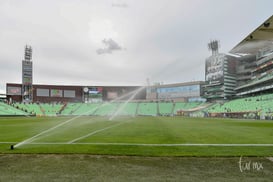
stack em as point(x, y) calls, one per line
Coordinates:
point(94, 132)
point(7, 142)
point(45, 131)
point(159, 145)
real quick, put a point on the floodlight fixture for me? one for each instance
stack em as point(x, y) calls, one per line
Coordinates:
point(213, 46)
point(28, 53)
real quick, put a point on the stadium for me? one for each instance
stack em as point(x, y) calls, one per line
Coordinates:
point(228, 114)
point(237, 84)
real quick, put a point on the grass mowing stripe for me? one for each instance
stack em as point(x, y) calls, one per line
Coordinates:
point(155, 144)
point(7, 142)
point(94, 132)
point(40, 167)
point(46, 131)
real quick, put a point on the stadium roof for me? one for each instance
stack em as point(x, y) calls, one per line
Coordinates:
point(260, 38)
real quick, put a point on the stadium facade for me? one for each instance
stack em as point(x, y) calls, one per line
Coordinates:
point(247, 70)
point(261, 77)
point(185, 92)
point(219, 75)
point(65, 93)
point(254, 64)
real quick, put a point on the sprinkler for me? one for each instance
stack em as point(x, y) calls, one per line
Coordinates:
point(11, 147)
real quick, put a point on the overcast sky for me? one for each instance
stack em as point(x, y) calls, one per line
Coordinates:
point(120, 42)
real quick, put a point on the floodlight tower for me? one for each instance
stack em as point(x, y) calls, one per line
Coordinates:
point(214, 46)
point(27, 90)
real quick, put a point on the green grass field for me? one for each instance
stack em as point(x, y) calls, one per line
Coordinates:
point(81, 167)
point(135, 149)
point(143, 136)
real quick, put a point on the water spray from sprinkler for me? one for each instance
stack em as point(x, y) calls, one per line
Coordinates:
point(31, 139)
point(125, 103)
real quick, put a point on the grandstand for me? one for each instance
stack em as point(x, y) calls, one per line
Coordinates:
point(262, 76)
point(134, 108)
point(247, 107)
point(6, 109)
point(166, 108)
point(147, 108)
point(106, 109)
point(30, 108)
point(80, 109)
point(128, 109)
point(39, 109)
point(144, 108)
point(257, 107)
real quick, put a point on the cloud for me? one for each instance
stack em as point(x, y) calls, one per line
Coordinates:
point(110, 45)
point(120, 5)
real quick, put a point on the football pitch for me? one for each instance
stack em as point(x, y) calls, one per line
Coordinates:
point(140, 136)
point(135, 149)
